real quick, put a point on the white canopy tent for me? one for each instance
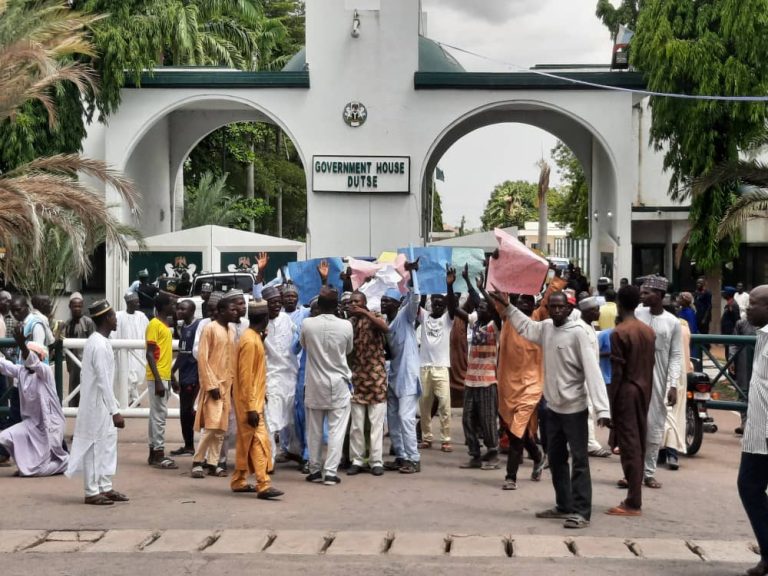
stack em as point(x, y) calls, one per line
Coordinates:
point(213, 241)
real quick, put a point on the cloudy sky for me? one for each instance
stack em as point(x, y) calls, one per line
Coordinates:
point(520, 33)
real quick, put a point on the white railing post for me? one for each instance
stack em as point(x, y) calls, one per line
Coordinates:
point(122, 378)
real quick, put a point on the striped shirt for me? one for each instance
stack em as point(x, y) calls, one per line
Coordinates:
point(755, 440)
point(483, 353)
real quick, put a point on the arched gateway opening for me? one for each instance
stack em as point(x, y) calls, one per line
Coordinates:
point(583, 140)
point(159, 151)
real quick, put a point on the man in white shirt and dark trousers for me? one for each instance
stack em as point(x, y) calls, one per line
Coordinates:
point(753, 471)
point(327, 341)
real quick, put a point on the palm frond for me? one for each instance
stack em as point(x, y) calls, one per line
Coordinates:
point(750, 205)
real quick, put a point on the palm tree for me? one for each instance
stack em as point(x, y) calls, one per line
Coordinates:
point(749, 179)
point(38, 42)
point(209, 203)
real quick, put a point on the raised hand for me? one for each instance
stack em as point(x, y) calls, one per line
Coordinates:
point(412, 266)
point(465, 273)
point(323, 269)
point(480, 281)
point(262, 259)
point(450, 275)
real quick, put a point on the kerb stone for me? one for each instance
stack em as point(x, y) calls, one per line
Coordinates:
point(117, 541)
point(179, 541)
point(663, 549)
point(239, 542)
point(530, 546)
point(12, 540)
point(358, 544)
point(298, 542)
point(591, 547)
point(727, 551)
point(478, 546)
point(418, 544)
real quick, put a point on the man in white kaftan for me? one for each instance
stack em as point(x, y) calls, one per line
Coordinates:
point(282, 369)
point(132, 325)
point(94, 447)
point(666, 370)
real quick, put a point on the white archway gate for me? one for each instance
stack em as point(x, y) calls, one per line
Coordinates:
point(416, 107)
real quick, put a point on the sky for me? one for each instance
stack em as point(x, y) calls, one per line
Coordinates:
point(513, 34)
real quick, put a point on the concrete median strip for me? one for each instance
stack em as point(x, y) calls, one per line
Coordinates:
point(373, 543)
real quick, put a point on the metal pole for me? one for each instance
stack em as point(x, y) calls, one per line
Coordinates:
point(122, 377)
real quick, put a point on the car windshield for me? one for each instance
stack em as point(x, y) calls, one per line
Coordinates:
point(224, 283)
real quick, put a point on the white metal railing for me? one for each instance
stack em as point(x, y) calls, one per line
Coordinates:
point(123, 349)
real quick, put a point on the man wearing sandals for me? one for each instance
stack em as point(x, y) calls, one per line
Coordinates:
point(435, 356)
point(666, 370)
point(94, 446)
point(217, 365)
point(159, 363)
point(633, 349)
point(253, 452)
point(571, 374)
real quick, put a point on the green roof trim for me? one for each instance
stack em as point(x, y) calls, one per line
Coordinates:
point(216, 77)
point(524, 80)
point(661, 208)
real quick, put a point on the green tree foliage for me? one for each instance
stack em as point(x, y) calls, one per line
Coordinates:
point(510, 204)
point(277, 168)
point(569, 206)
point(613, 16)
point(437, 211)
point(211, 202)
point(49, 216)
point(709, 48)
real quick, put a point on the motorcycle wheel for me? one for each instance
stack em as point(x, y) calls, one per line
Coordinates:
point(694, 430)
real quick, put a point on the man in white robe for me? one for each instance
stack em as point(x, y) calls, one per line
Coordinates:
point(132, 325)
point(35, 443)
point(282, 369)
point(666, 370)
point(94, 447)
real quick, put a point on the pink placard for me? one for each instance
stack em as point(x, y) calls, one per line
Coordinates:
point(517, 270)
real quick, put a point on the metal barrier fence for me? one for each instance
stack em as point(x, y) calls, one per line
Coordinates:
point(734, 347)
point(63, 349)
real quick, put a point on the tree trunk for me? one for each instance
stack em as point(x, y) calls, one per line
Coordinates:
point(250, 189)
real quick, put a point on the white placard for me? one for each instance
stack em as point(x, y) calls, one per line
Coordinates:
point(362, 174)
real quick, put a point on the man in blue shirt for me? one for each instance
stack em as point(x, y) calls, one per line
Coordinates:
point(404, 383)
point(188, 382)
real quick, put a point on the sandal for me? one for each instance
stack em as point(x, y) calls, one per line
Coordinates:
point(652, 483)
point(425, 445)
point(217, 471)
point(197, 471)
point(575, 522)
point(509, 485)
point(601, 453)
point(165, 464)
point(98, 500)
point(623, 510)
point(246, 488)
point(446, 447)
point(116, 496)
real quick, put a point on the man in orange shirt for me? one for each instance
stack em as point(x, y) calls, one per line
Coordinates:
point(253, 451)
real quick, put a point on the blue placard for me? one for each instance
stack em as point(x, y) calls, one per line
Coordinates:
point(433, 261)
point(304, 275)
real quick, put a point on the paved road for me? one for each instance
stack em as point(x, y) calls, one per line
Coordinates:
point(698, 503)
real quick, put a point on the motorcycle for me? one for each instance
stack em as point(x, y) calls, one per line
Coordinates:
point(697, 419)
